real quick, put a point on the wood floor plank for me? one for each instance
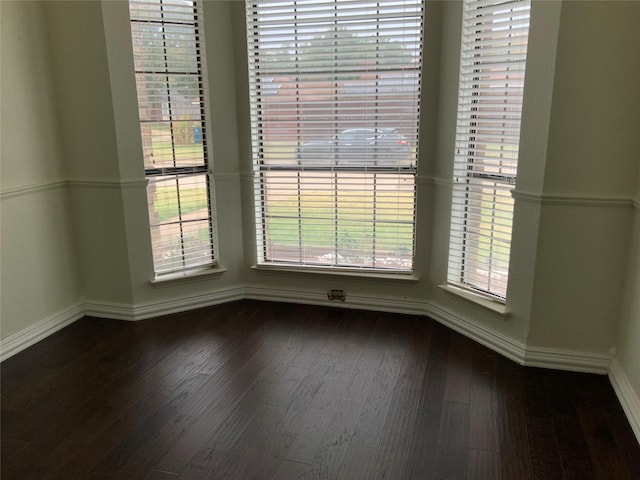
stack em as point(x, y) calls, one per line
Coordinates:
point(626, 441)
point(282, 391)
point(434, 381)
point(318, 417)
point(483, 465)
point(213, 403)
point(377, 404)
point(423, 455)
point(364, 372)
point(146, 457)
point(360, 464)
point(545, 460)
point(573, 448)
point(303, 397)
point(205, 464)
point(290, 470)
point(543, 443)
point(126, 432)
point(253, 403)
point(73, 444)
point(453, 442)
point(331, 453)
point(513, 440)
point(602, 445)
point(78, 403)
point(457, 387)
point(572, 445)
point(483, 428)
point(160, 475)
point(259, 453)
point(393, 454)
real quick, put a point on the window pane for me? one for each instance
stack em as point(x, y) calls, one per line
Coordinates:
point(173, 144)
point(339, 219)
point(165, 10)
point(169, 80)
point(335, 100)
point(320, 123)
point(493, 57)
point(180, 226)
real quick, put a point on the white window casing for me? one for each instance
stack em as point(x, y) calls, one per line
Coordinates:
point(170, 80)
point(492, 71)
point(334, 89)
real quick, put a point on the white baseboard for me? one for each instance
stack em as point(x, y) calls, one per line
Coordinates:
point(627, 396)
point(40, 330)
point(502, 344)
point(110, 310)
point(568, 360)
point(166, 307)
point(118, 311)
point(360, 302)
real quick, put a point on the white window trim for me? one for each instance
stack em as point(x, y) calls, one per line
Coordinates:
point(494, 305)
point(192, 274)
point(403, 276)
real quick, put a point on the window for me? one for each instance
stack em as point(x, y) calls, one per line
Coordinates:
point(171, 105)
point(492, 69)
point(335, 90)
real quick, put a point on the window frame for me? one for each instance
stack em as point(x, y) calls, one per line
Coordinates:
point(201, 165)
point(473, 153)
point(262, 169)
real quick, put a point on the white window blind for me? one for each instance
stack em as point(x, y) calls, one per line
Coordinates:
point(492, 70)
point(335, 87)
point(171, 105)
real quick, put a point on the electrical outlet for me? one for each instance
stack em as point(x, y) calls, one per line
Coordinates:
point(337, 295)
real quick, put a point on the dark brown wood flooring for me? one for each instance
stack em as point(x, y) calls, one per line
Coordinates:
point(256, 390)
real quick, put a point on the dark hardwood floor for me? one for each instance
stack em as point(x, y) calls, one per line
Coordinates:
point(256, 390)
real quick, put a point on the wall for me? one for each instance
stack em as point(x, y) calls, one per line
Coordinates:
point(626, 366)
point(88, 136)
point(40, 285)
point(589, 179)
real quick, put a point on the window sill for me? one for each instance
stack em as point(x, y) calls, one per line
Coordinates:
point(336, 272)
point(196, 274)
point(478, 299)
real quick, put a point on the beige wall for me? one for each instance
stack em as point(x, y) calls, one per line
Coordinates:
point(593, 143)
point(39, 249)
point(83, 91)
point(627, 349)
point(31, 152)
point(591, 166)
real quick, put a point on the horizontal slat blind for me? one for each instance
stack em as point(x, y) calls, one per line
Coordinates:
point(492, 69)
point(171, 105)
point(335, 99)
